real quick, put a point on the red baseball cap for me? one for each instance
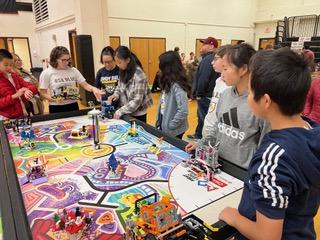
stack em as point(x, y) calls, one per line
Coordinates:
point(309, 55)
point(210, 41)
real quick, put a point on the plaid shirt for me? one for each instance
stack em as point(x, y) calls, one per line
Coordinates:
point(135, 96)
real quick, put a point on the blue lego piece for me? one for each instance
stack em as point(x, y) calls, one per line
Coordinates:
point(32, 135)
point(113, 163)
point(24, 135)
point(107, 109)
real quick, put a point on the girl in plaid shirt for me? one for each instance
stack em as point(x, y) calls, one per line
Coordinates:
point(132, 90)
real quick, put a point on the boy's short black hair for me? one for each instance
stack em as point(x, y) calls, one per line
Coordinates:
point(284, 76)
point(4, 53)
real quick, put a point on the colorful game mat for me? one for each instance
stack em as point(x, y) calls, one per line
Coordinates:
point(80, 176)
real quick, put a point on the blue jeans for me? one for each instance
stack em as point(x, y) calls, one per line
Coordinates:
point(203, 106)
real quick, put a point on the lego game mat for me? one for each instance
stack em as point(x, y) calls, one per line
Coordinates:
point(80, 176)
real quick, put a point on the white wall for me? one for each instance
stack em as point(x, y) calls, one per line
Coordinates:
point(182, 21)
point(91, 19)
point(179, 21)
point(58, 10)
point(21, 25)
point(54, 31)
point(268, 10)
point(264, 30)
point(51, 37)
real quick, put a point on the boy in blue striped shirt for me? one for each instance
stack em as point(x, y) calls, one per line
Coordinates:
point(282, 193)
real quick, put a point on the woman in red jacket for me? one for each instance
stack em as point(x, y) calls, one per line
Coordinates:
point(14, 91)
point(312, 107)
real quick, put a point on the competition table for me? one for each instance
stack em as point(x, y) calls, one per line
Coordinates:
point(13, 212)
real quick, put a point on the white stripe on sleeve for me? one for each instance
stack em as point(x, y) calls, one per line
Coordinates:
point(283, 201)
point(267, 180)
point(263, 163)
point(267, 188)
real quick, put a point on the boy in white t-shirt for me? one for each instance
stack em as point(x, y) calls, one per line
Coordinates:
point(211, 117)
point(61, 80)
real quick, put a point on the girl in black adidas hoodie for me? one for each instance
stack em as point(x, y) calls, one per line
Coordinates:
point(237, 129)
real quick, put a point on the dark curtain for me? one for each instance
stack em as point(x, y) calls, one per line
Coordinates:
point(8, 6)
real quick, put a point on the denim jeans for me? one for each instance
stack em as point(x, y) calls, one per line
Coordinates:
point(203, 106)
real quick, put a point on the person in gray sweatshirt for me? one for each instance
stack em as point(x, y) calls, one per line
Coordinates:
point(237, 130)
point(172, 115)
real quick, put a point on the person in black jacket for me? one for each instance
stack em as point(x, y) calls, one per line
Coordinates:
point(204, 83)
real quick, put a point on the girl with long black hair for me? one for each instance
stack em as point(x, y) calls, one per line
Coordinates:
point(132, 90)
point(173, 108)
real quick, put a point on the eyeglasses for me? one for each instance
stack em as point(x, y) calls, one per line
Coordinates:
point(65, 60)
point(108, 62)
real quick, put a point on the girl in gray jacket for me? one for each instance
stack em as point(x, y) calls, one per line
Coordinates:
point(173, 108)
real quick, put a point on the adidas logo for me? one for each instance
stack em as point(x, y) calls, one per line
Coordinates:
point(230, 125)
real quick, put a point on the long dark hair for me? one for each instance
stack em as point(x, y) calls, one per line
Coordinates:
point(123, 53)
point(240, 54)
point(107, 51)
point(172, 71)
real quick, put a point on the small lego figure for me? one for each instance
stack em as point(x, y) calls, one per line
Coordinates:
point(37, 171)
point(27, 139)
point(133, 132)
point(154, 149)
point(113, 163)
point(80, 133)
point(72, 222)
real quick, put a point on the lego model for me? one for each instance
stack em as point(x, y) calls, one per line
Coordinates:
point(37, 173)
point(27, 139)
point(66, 92)
point(209, 154)
point(95, 123)
point(160, 220)
point(154, 220)
point(154, 149)
point(72, 222)
point(204, 166)
point(113, 163)
point(18, 124)
point(107, 109)
point(200, 171)
point(79, 133)
point(133, 132)
point(114, 166)
point(198, 229)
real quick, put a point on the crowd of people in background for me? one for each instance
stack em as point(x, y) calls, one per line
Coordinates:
point(122, 70)
point(123, 82)
point(258, 107)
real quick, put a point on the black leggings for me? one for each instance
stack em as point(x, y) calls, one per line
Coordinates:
point(63, 108)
